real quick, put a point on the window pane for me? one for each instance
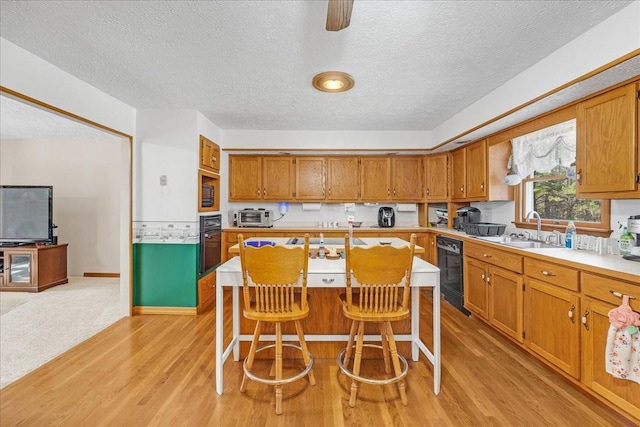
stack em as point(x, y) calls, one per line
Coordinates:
point(556, 199)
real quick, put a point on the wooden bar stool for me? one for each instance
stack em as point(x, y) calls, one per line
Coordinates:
point(382, 275)
point(274, 288)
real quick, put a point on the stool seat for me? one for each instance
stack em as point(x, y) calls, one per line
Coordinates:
point(274, 289)
point(383, 278)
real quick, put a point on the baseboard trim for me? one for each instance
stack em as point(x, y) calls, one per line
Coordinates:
point(101, 274)
point(190, 311)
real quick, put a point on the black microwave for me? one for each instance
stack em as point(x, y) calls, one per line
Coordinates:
point(208, 195)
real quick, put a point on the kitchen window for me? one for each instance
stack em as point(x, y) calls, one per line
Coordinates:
point(545, 159)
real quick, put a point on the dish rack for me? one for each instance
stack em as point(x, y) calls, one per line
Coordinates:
point(484, 229)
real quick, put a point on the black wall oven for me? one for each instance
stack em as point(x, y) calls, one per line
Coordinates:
point(210, 242)
point(451, 273)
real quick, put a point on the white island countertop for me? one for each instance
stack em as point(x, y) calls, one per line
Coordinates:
point(369, 241)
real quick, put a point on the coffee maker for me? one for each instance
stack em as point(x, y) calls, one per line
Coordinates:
point(633, 227)
point(466, 215)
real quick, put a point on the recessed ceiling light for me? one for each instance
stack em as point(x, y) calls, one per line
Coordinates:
point(333, 82)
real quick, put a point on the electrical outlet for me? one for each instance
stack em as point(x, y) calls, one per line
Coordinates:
point(163, 180)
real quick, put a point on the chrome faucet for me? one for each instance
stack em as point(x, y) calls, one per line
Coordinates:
point(555, 236)
point(534, 213)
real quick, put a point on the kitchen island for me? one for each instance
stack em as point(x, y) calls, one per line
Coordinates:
point(326, 328)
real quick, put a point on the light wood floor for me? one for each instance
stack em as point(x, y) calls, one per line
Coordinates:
point(159, 370)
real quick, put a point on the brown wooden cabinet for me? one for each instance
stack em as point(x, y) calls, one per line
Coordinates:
point(209, 155)
point(32, 268)
point(260, 178)
point(552, 319)
point(310, 178)
point(375, 179)
point(407, 174)
point(596, 303)
point(245, 178)
point(437, 182)
point(277, 178)
point(493, 288)
point(607, 151)
point(477, 172)
point(343, 178)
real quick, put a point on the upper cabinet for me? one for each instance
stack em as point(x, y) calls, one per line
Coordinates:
point(208, 176)
point(407, 178)
point(343, 178)
point(209, 155)
point(607, 152)
point(436, 188)
point(477, 172)
point(326, 178)
point(375, 179)
point(260, 178)
point(384, 179)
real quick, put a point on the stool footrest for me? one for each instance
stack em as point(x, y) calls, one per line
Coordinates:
point(373, 381)
point(287, 380)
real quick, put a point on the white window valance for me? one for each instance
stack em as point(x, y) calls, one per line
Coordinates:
point(544, 149)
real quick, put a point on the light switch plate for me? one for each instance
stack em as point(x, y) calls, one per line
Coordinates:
point(349, 207)
point(163, 180)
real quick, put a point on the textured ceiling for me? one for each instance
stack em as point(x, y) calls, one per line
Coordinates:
point(249, 64)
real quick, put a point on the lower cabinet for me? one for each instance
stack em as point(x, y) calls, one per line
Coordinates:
point(165, 275)
point(496, 295)
point(596, 303)
point(493, 288)
point(552, 325)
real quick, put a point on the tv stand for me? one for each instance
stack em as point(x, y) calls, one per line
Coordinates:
point(33, 268)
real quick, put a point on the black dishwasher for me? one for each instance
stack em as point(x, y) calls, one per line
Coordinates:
point(451, 274)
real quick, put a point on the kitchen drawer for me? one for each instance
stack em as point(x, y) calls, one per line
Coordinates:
point(552, 273)
point(600, 287)
point(327, 280)
point(494, 256)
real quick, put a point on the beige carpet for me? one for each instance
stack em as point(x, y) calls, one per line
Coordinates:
point(37, 327)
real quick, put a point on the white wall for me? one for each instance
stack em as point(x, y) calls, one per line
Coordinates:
point(86, 194)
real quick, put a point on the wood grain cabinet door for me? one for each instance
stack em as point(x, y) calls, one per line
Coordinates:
point(310, 178)
point(277, 178)
point(343, 178)
point(476, 287)
point(436, 187)
point(245, 178)
point(607, 142)
point(552, 325)
point(476, 170)
point(458, 174)
point(375, 179)
point(407, 178)
point(595, 328)
point(506, 299)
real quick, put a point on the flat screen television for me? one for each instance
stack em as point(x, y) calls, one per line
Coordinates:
point(26, 214)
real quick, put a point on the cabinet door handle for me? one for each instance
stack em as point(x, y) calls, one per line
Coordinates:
point(548, 273)
point(570, 313)
point(329, 192)
point(486, 255)
point(483, 277)
point(462, 188)
point(427, 191)
point(579, 176)
point(394, 191)
point(258, 191)
point(488, 279)
point(328, 281)
point(264, 191)
point(584, 319)
point(388, 192)
point(482, 186)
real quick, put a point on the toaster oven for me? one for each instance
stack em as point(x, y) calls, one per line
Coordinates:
point(260, 218)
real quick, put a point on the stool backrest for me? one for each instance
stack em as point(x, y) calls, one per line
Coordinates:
point(275, 274)
point(382, 274)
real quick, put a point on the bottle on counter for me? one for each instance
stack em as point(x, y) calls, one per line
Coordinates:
point(626, 242)
point(321, 247)
point(350, 220)
point(570, 235)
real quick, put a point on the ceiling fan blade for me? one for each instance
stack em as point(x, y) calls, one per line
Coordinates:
point(339, 14)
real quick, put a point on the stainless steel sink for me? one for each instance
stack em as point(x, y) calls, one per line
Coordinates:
point(514, 242)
